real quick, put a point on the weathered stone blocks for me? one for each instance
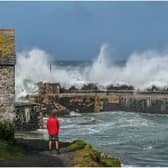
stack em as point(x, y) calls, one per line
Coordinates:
point(96, 101)
point(7, 82)
point(7, 47)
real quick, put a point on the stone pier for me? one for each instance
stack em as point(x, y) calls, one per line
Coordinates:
point(96, 101)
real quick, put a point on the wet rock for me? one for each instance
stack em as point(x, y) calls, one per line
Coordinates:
point(90, 86)
point(120, 87)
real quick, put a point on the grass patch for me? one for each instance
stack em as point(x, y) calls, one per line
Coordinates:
point(83, 158)
point(9, 150)
point(7, 131)
point(86, 156)
point(110, 162)
point(77, 144)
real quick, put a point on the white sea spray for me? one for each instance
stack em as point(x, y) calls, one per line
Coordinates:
point(142, 70)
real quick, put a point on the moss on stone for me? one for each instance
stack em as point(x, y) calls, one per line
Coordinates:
point(83, 158)
point(86, 156)
point(77, 144)
point(7, 130)
point(9, 150)
point(110, 162)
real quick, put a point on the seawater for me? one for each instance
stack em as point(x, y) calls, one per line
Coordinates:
point(138, 139)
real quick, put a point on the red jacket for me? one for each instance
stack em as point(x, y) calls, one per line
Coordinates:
point(53, 126)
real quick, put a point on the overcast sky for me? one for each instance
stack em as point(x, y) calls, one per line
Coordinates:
point(76, 30)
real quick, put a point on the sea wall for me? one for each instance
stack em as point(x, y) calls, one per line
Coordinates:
point(136, 103)
point(97, 101)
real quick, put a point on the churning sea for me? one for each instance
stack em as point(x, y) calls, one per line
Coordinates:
point(138, 139)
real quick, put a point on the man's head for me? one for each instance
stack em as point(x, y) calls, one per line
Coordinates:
point(53, 113)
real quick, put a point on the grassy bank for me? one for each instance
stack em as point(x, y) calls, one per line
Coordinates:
point(10, 150)
point(86, 156)
point(8, 147)
point(78, 153)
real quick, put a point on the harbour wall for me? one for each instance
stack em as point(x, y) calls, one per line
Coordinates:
point(50, 97)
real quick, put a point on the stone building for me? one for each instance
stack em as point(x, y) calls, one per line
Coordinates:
point(7, 74)
point(24, 115)
point(27, 116)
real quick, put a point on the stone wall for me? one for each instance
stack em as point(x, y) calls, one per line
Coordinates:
point(78, 103)
point(135, 103)
point(6, 90)
point(48, 103)
point(48, 88)
point(7, 72)
point(97, 101)
point(7, 47)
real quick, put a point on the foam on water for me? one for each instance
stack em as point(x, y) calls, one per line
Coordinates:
point(74, 114)
point(137, 139)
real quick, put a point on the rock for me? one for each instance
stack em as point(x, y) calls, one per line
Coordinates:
point(2, 109)
point(90, 86)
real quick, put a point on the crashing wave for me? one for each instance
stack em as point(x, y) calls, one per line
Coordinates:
point(140, 71)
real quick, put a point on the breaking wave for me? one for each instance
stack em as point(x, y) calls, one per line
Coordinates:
point(141, 70)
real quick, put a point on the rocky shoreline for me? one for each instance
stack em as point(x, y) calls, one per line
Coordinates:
point(34, 153)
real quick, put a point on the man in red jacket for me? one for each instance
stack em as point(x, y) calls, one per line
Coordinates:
point(53, 131)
